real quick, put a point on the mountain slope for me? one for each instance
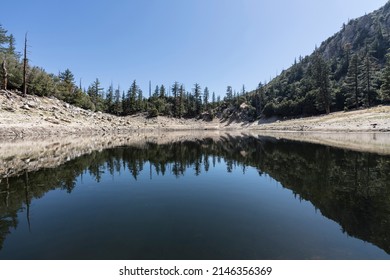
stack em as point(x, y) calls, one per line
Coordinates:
point(295, 91)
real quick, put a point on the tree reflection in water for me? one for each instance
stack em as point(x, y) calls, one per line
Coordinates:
point(351, 188)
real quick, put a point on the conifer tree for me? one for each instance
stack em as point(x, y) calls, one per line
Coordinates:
point(198, 99)
point(229, 94)
point(206, 95)
point(353, 96)
point(95, 93)
point(368, 77)
point(156, 92)
point(320, 74)
point(175, 94)
point(385, 88)
point(67, 82)
point(117, 110)
point(110, 99)
point(3, 39)
point(259, 98)
point(139, 107)
point(162, 91)
point(131, 99)
point(11, 45)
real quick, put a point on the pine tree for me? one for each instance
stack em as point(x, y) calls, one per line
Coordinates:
point(125, 104)
point(11, 45)
point(368, 77)
point(117, 110)
point(385, 88)
point(110, 99)
point(243, 91)
point(156, 92)
point(229, 94)
point(353, 96)
point(131, 97)
point(67, 82)
point(321, 80)
point(3, 39)
point(95, 93)
point(206, 95)
point(175, 94)
point(139, 101)
point(198, 99)
point(259, 98)
point(162, 91)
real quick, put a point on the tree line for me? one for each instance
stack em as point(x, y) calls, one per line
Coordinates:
point(340, 75)
point(173, 101)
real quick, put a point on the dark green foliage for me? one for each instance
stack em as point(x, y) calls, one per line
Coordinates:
point(153, 112)
point(198, 99)
point(269, 110)
point(11, 46)
point(320, 75)
point(117, 106)
point(39, 82)
point(385, 88)
point(229, 94)
point(353, 96)
point(95, 92)
point(109, 102)
point(206, 95)
point(369, 77)
point(4, 39)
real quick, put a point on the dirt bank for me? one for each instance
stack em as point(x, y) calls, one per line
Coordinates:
point(42, 116)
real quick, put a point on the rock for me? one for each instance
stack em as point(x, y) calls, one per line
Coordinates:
point(25, 107)
point(65, 120)
point(66, 105)
point(32, 104)
point(9, 108)
point(52, 120)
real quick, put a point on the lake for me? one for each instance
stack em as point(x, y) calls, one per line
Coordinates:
point(212, 198)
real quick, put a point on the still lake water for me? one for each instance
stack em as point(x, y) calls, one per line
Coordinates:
point(237, 198)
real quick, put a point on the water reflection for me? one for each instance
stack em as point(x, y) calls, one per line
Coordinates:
point(170, 196)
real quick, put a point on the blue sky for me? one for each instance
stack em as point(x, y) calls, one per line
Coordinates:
point(215, 43)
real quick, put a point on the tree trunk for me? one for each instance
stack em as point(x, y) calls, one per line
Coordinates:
point(5, 74)
point(25, 67)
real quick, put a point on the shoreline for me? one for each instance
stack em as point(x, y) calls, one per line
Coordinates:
point(39, 118)
point(31, 154)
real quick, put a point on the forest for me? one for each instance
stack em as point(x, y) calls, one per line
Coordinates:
point(350, 70)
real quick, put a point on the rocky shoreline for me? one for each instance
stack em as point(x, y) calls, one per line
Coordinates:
point(34, 116)
point(32, 120)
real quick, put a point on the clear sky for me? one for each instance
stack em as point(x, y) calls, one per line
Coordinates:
point(215, 43)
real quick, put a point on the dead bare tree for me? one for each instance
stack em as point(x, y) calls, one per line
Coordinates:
point(25, 67)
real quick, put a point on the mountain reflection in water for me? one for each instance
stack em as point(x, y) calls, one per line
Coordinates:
point(203, 199)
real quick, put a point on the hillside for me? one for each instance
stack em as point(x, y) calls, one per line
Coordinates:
point(40, 116)
point(348, 70)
